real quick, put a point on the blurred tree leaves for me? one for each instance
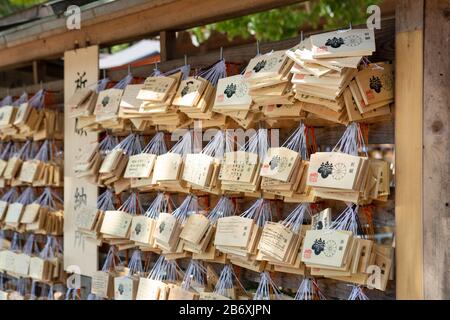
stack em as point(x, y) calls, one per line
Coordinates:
point(10, 6)
point(282, 23)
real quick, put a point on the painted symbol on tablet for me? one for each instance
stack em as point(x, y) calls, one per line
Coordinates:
point(318, 246)
point(162, 227)
point(81, 81)
point(80, 198)
point(241, 90)
point(375, 84)
point(353, 40)
point(138, 228)
point(121, 289)
point(334, 42)
point(279, 162)
point(387, 81)
point(105, 101)
point(339, 171)
point(186, 89)
point(330, 248)
point(319, 225)
point(230, 90)
point(272, 63)
point(325, 169)
point(259, 66)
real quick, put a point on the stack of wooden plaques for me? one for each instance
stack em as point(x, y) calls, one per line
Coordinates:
point(324, 66)
point(268, 78)
point(238, 236)
point(143, 227)
point(83, 103)
point(195, 98)
point(115, 162)
point(9, 197)
point(239, 171)
point(170, 226)
point(343, 175)
point(103, 280)
point(16, 209)
point(371, 93)
point(89, 221)
point(233, 99)
point(201, 170)
point(157, 95)
point(157, 285)
point(280, 242)
point(282, 168)
point(338, 252)
point(224, 208)
point(45, 215)
point(116, 224)
point(42, 170)
point(30, 119)
point(106, 109)
point(140, 167)
point(130, 105)
point(16, 159)
point(169, 166)
point(126, 286)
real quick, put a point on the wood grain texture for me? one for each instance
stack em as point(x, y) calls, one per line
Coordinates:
point(120, 22)
point(436, 152)
point(167, 40)
point(408, 141)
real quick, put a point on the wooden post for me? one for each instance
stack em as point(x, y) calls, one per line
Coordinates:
point(436, 150)
point(168, 41)
point(39, 70)
point(409, 152)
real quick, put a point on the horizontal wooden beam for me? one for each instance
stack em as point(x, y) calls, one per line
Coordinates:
point(57, 86)
point(121, 20)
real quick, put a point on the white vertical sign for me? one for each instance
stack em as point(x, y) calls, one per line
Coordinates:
point(80, 253)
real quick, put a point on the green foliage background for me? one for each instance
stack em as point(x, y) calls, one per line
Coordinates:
point(10, 6)
point(282, 23)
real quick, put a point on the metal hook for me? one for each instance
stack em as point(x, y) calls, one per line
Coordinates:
point(257, 48)
point(350, 25)
point(221, 53)
point(301, 36)
point(185, 59)
point(104, 73)
point(156, 66)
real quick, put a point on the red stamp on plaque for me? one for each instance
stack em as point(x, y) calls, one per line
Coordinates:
point(307, 253)
point(270, 107)
point(322, 49)
point(248, 74)
point(220, 98)
point(369, 94)
point(313, 177)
